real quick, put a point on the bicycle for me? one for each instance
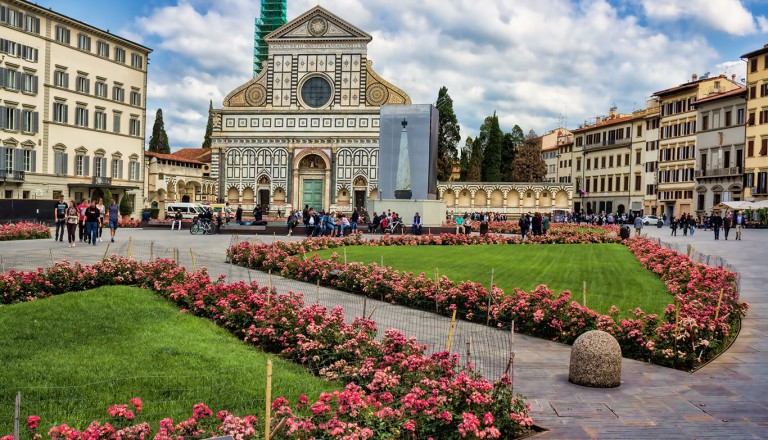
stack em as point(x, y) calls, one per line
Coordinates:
point(198, 225)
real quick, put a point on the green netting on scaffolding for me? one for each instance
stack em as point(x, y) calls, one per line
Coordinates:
point(272, 17)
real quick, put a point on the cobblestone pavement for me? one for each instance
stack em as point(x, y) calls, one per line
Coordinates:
point(726, 399)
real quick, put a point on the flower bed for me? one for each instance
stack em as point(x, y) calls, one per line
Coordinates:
point(24, 231)
point(129, 224)
point(394, 387)
point(688, 334)
point(509, 227)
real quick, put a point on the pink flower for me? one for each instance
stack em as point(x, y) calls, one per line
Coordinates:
point(32, 422)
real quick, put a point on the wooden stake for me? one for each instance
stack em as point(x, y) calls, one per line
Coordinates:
point(269, 286)
point(450, 332)
point(719, 300)
point(102, 258)
point(372, 312)
point(268, 406)
point(192, 256)
point(437, 290)
point(690, 250)
point(130, 246)
point(490, 295)
point(16, 415)
point(317, 299)
point(584, 295)
point(469, 351)
point(365, 305)
point(151, 250)
point(382, 261)
point(345, 255)
point(51, 252)
point(175, 255)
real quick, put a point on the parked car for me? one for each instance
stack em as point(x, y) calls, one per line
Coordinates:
point(651, 220)
point(188, 210)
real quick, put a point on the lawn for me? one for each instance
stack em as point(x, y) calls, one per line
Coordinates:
point(74, 355)
point(613, 275)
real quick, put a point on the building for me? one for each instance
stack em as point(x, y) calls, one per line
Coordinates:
point(605, 166)
point(756, 159)
point(720, 140)
point(182, 176)
point(305, 131)
point(677, 141)
point(513, 199)
point(73, 107)
point(550, 146)
point(272, 17)
point(646, 141)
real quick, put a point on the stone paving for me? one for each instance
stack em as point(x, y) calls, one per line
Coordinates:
point(726, 399)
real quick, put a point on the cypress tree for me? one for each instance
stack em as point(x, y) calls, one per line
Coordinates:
point(158, 143)
point(492, 150)
point(209, 127)
point(448, 136)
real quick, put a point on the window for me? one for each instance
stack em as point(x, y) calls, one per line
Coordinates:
point(30, 157)
point(135, 98)
point(60, 163)
point(14, 80)
point(751, 148)
point(83, 84)
point(61, 79)
point(134, 127)
point(102, 49)
point(118, 94)
point(764, 146)
point(62, 34)
point(740, 116)
point(29, 121)
point(10, 118)
point(705, 122)
point(18, 50)
point(8, 154)
point(626, 183)
point(100, 120)
point(82, 164)
point(639, 130)
point(626, 158)
point(117, 169)
point(81, 116)
point(116, 122)
point(728, 119)
point(316, 92)
point(32, 24)
point(610, 162)
point(137, 61)
point(84, 42)
point(753, 65)
point(751, 120)
point(101, 89)
point(99, 167)
point(603, 162)
point(638, 182)
point(637, 158)
point(578, 164)
point(120, 55)
point(134, 170)
point(60, 112)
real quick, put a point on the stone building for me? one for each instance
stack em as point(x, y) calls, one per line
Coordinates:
point(182, 176)
point(646, 142)
point(72, 108)
point(550, 149)
point(505, 198)
point(756, 158)
point(305, 131)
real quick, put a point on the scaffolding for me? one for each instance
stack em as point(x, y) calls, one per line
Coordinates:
point(272, 17)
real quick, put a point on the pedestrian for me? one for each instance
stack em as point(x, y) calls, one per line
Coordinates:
point(638, 223)
point(227, 211)
point(523, 223)
point(81, 220)
point(459, 224)
point(92, 222)
point(416, 225)
point(219, 221)
point(291, 222)
point(684, 224)
point(100, 205)
point(536, 224)
point(739, 223)
point(716, 222)
point(727, 224)
point(354, 219)
point(60, 217)
point(673, 224)
point(72, 218)
point(177, 218)
point(692, 224)
point(239, 214)
point(113, 217)
point(545, 224)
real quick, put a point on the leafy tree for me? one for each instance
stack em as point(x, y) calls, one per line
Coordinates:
point(466, 152)
point(528, 165)
point(125, 205)
point(158, 143)
point(209, 127)
point(448, 136)
point(492, 147)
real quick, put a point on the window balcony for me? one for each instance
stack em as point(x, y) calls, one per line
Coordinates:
point(718, 172)
point(102, 181)
point(12, 176)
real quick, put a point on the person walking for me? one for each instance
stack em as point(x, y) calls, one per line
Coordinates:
point(60, 217)
point(727, 224)
point(92, 223)
point(716, 222)
point(114, 211)
point(72, 218)
point(219, 221)
point(100, 205)
point(227, 211)
point(739, 223)
point(523, 223)
point(81, 221)
point(545, 224)
point(673, 224)
point(239, 214)
point(692, 224)
point(638, 223)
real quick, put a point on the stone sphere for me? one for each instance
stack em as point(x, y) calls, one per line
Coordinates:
point(595, 360)
point(612, 234)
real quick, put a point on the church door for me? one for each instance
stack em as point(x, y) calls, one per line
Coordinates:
point(312, 194)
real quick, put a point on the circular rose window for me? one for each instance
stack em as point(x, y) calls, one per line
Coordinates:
point(316, 92)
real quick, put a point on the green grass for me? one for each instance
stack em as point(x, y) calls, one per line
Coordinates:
point(74, 355)
point(613, 275)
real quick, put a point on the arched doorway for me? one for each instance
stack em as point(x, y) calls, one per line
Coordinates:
point(312, 177)
point(360, 187)
point(185, 198)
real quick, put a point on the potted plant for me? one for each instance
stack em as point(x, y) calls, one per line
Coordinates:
point(126, 209)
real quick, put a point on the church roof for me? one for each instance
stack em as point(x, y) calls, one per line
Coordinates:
point(318, 24)
point(199, 154)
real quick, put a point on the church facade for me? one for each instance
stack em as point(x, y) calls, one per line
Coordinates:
point(305, 131)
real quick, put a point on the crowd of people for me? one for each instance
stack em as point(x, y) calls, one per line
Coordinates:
point(715, 221)
point(86, 220)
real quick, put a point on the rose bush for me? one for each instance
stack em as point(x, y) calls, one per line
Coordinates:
point(688, 334)
point(394, 387)
point(129, 223)
point(24, 231)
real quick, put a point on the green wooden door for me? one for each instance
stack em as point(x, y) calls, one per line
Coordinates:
point(312, 194)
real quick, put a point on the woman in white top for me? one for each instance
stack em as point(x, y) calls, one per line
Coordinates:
point(100, 205)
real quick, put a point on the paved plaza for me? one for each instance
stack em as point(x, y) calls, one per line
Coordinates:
point(726, 399)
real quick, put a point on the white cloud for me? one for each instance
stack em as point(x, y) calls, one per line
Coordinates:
point(529, 61)
point(729, 16)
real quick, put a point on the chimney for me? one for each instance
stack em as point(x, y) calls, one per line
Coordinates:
point(694, 77)
point(585, 122)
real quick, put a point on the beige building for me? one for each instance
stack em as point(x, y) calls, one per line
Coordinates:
point(646, 143)
point(513, 199)
point(677, 141)
point(756, 158)
point(550, 148)
point(72, 108)
point(182, 176)
point(605, 166)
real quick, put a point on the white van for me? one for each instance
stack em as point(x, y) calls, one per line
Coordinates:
point(188, 210)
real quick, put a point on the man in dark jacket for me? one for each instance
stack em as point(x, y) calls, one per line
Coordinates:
point(716, 221)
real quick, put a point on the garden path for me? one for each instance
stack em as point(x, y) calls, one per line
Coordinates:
point(726, 399)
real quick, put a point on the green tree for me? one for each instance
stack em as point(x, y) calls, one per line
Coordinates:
point(528, 165)
point(466, 152)
point(125, 205)
point(474, 171)
point(512, 141)
point(209, 127)
point(107, 196)
point(448, 136)
point(492, 147)
point(158, 143)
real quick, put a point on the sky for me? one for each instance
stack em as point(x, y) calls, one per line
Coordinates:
point(540, 64)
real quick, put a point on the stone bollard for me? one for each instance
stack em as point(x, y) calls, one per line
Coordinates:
point(595, 360)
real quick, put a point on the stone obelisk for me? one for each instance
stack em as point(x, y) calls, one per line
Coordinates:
point(403, 184)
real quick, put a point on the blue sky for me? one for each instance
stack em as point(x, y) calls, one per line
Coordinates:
point(534, 62)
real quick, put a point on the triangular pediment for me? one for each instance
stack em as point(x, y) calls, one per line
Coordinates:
point(317, 24)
